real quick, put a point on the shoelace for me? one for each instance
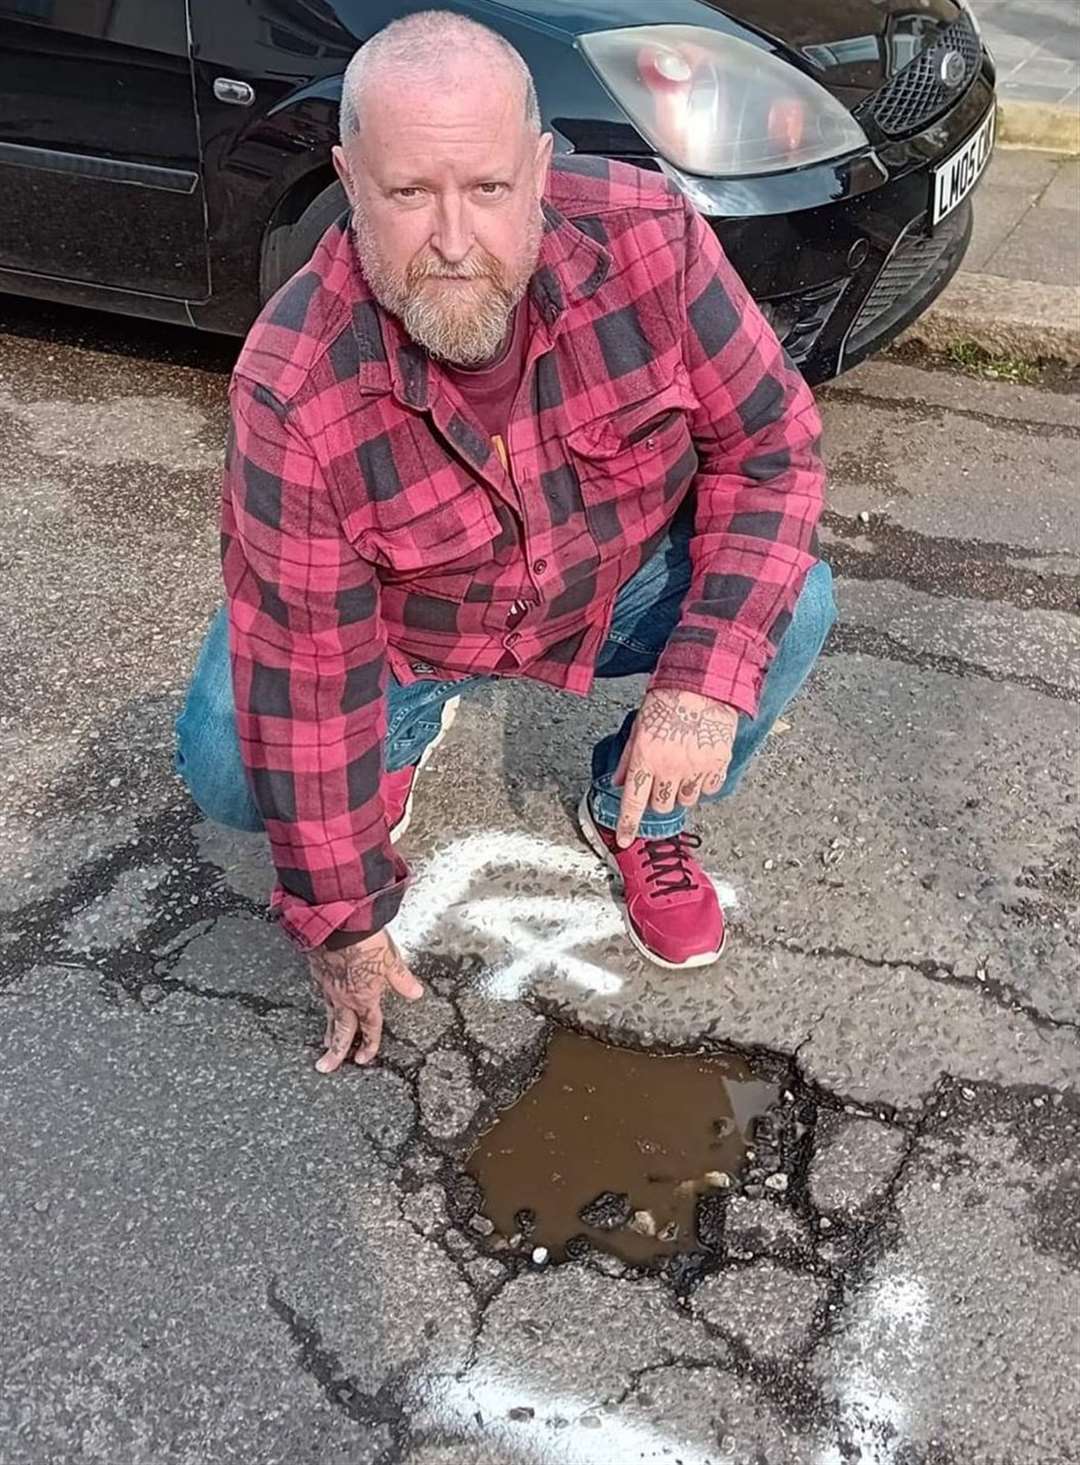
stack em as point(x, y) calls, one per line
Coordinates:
point(667, 859)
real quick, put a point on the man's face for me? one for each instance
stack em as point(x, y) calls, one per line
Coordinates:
point(445, 185)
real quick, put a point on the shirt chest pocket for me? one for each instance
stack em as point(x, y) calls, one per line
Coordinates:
point(445, 523)
point(636, 466)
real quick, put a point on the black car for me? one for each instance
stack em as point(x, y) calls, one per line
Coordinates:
point(171, 158)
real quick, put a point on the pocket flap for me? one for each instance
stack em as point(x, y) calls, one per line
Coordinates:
point(634, 426)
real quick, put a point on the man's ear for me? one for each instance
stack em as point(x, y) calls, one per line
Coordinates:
point(341, 168)
point(544, 144)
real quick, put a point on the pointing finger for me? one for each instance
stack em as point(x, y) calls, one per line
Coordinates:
point(619, 775)
point(635, 800)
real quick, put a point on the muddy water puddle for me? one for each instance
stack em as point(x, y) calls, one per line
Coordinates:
point(616, 1147)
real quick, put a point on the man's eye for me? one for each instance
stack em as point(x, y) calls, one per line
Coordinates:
point(491, 190)
point(406, 193)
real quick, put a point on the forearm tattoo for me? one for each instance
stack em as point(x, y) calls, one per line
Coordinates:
point(666, 718)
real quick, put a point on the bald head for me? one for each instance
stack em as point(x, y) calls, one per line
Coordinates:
point(434, 48)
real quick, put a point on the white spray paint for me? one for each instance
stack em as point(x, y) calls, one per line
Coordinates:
point(539, 933)
point(479, 1406)
point(895, 1316)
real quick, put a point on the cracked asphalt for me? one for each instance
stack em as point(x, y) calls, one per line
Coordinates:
point(213, 1254)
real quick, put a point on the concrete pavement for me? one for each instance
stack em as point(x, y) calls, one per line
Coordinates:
point(1018, 293)
point(1036, 46)
point(212, 1254)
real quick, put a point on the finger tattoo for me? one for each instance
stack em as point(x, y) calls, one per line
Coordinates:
point(663, 793)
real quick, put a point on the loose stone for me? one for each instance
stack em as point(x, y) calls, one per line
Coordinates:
point(643, 1222)
point(540, 1256)
point(607, 1211)
point(718, 1179)
point(778, 1182)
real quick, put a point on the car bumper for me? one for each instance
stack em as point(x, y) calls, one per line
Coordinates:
point(866, 265)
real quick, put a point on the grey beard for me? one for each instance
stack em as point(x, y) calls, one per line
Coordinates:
point(466, 337)
point(461, 337)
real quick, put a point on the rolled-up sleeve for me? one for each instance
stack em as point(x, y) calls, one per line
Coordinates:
point(309, 678)
point(759, 489)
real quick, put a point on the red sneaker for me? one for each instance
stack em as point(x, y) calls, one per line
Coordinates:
point(398, 788)
point(672, 913)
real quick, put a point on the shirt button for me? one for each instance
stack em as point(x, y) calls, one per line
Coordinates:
point(539, 567)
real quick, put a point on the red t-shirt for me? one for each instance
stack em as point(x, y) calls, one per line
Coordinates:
point(490, 390)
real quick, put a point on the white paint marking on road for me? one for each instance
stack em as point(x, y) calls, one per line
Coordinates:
point(478, 1407)
point(444, 881)
point(539, 932)
point(875, 1420)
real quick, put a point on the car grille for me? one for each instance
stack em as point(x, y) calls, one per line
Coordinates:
point(915, 96)
point(907, 274)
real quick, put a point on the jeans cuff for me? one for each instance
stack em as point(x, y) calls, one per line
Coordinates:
point(605, 803)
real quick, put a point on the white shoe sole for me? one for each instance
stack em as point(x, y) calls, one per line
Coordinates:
point(446, 720)
point(600, 849)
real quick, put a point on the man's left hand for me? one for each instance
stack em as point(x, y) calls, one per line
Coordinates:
point(679, 749)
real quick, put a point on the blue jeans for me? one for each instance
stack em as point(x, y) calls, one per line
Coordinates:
point(646, 611)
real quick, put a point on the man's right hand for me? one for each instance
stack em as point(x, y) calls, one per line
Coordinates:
point(352, 981)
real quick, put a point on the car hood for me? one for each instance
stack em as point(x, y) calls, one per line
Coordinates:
point(851, 46)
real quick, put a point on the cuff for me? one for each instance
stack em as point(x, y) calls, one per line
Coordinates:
point(308, 926)
point(731, 670)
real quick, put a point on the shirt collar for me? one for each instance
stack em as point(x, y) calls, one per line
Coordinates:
point(571, 267)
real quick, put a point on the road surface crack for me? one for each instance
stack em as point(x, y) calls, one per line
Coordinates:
point(869, 641)
point(384, 1407)
point(997, 992)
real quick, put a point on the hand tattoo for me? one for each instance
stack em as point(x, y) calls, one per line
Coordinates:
point(351, 970)
point(641, 778)
point(689, 788)
point(667, 719)
point(663, 793)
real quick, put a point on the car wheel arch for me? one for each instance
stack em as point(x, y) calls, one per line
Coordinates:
point(294, 223)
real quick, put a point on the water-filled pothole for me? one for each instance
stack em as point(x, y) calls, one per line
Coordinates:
point(616, 1146)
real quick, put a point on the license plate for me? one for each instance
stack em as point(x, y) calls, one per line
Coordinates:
point(958, 175)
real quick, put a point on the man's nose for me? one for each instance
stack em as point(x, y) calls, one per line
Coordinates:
point(453, 236)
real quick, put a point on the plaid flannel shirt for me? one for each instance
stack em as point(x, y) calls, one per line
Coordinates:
point(369, 527)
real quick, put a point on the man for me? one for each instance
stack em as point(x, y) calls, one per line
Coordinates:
point(515, 418)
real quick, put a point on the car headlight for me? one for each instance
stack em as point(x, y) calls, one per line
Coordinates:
point(713, 104)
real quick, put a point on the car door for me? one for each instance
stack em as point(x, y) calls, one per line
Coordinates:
point(100, 175)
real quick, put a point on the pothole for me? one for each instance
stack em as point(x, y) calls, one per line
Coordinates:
point(613, 1148)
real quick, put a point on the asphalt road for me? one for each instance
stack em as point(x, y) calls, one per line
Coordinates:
point(212, 1254)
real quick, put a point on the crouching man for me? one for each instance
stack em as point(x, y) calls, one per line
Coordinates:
point(518, 417)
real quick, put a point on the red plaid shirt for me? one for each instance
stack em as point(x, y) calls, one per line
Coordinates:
point(370, 528)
